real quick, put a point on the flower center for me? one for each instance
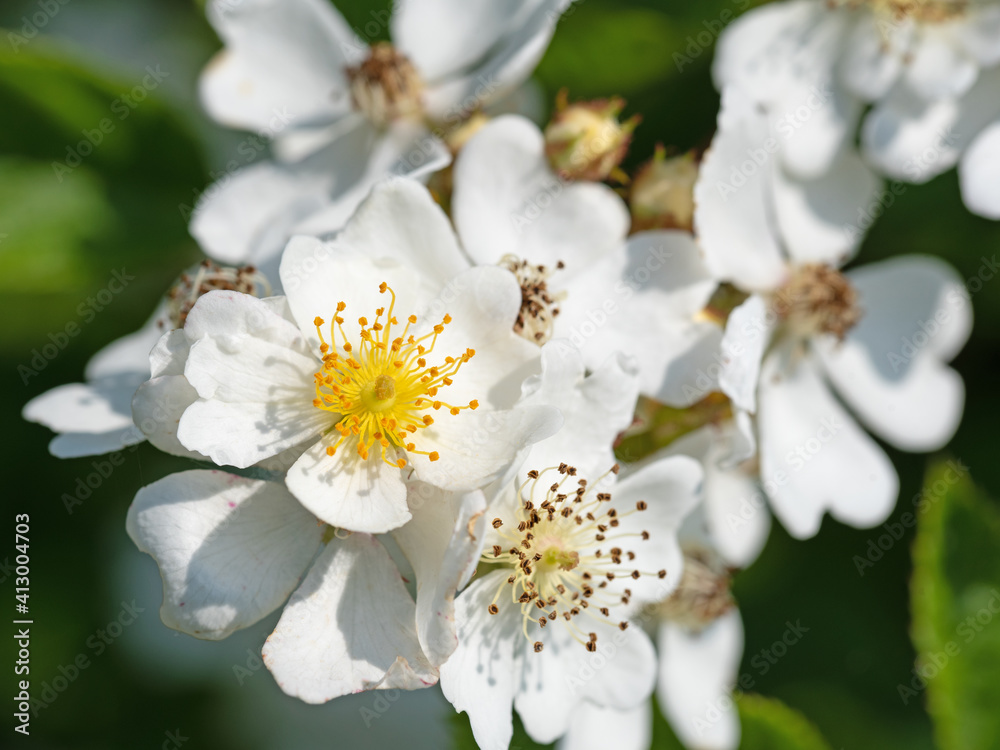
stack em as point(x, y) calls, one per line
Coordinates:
point(539, 305)
point(208, 277)
point(702, 596)
point(386, 86)
point(382, 391)
point(566, 551)
point(818, 299)
point(924, 11)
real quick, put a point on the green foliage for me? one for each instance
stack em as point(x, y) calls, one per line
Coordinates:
point(93, 174)
point(769, 724)
point(601, 50)
point(955, 594)
point(46, 226)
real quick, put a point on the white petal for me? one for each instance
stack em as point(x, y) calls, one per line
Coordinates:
point(476, 447)
point(253, 374)
point(169, 356)
point(507, 201)
point(939, 68)
point(815, 118)
point(230, 550)
point(904, 296)
point(349, 627)
point(873, 57)
point(889, 368)
point(910, 139)
point(283, 62)
point(383, 227)
point(479, 676)
point(733, 518)
point(157, 408)
point(404, 149)
point(508, 65)
point(248, 215)
point(318, 275)
point(595, 408)
point(671, 488)
point(100, 406)
point(807, 443)
point(442, 37)
point(748, 334)
point(556, 681)
point(755, 51)
point(732, 199)
point(980, 35)
point(979, 172)
point(483, 303)
point(78, 444)
point(596, 728)
point(645, 303)
point(347, 491)
point(697, 673)
point(129, 354)
point(824, 220)
point(442, 542)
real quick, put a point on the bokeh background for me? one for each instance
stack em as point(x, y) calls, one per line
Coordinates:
point(64, 233)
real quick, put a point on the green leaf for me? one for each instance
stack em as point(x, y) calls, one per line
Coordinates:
point(955, 596)
point(94, 172)
point(769, 724)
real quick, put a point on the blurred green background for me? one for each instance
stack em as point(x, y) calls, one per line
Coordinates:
point(63, 233)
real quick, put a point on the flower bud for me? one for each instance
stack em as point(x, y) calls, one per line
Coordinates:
point(662, 194)
point(585, 140)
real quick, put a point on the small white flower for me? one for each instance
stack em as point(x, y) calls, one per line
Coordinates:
point(95, 417)
point(930, 71)
point(344, 115)
point(881, 334)
point(231, 551)
point(548, 630)
point(367, 367)
point(581, 279)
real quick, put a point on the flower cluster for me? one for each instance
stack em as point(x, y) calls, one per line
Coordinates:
point(424, 327)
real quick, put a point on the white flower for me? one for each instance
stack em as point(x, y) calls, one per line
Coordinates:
point(881, 334)
point(342, 114)
point(930, 71)
point(95, 417)
point(366, 366)
point(231, 550)
point(581, 279)
point(548, 630)
point(699, 636)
